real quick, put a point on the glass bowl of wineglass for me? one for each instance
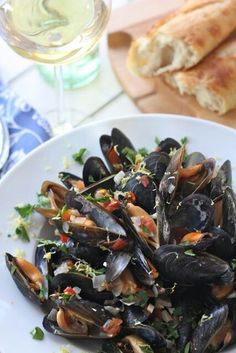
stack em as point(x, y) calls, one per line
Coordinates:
point(54, 32)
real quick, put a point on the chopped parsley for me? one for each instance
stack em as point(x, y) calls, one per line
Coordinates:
point(187, 348)
point(102, 199)
point(43, 201)
point(140, 299)
point(233, 264)
point(22, 233)
point(157, 141)
point(37, 333)
point(13, 269)
point(146, 349)
point(91, 179)
point(78, 157)
point(168, 329)
point(25, 210)
point(130, 154)
point(184, 141)
point(143, 151)
point(189, 252)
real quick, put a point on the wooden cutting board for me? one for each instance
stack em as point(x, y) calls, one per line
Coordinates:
point(151, 95)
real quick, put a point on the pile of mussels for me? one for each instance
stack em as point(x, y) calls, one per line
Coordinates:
point(143, 254)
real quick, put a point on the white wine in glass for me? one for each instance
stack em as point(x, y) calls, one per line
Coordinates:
point(53, 31)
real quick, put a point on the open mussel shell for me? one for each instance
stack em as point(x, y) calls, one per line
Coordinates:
point(69, 180)
point(112, 148)
point(95, 212)
point(92, 236)
point(55, 192)
point(28, 278)
point(176, 265)
point(147, 333)
point(134, 344)
point(81, 318)
point(209, 327)
point(193, 159)
point(194, 213)
point(94, 170)
point(169, 182)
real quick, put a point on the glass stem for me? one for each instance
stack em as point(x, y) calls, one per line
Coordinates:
point(59, 84)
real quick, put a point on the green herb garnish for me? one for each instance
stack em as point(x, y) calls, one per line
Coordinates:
point(78, 157)
point(91, 179)
point(22, 233)
point(37, 333)
point(43, 201)
point(25, 210)
point(187, 347)
point(146, 349)
point(143, 151)
point(13, 269)
point(157, 141)
point(189, 252)
point(129, 154)
point(102, 199)
point(233, 264)
point(184, 141)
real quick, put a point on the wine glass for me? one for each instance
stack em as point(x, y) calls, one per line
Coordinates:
point(54, 32)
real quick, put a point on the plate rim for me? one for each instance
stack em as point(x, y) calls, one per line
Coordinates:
point(189, 119)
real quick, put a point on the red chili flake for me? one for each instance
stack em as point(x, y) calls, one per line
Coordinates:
point(119, 244)
point(69, 291)
point(64, 238)
point(112, 205)
point(144, 181)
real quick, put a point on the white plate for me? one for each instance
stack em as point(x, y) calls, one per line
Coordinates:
point(17, 316)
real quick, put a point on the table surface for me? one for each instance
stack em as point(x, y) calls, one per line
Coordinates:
point(105, 92)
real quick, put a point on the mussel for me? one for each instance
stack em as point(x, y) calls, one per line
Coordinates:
point(78, 318)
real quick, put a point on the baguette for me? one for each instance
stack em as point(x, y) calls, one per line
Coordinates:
point(213, 81)
point(184, 38)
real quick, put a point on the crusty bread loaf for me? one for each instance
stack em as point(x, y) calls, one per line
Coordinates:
point(213, 81)
point(184, 38)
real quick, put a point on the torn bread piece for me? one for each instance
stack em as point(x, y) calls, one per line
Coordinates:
point(184, 38)
point(213, 81)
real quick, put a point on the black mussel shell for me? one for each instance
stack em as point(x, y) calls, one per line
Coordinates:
point(116, 264)
point(94, 170)
point(144, 189)
point(193, 159)
point(68, 179)
point(149, 334)
point(23, 283)
point(169, 144)
point(157, 163)
point(177, 264)
point(194, 213)
point(229, 214)
point(222, 180)
point(208, 327)
point(96, 213)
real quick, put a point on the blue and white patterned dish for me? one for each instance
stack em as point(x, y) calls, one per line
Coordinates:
point(27, 128)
